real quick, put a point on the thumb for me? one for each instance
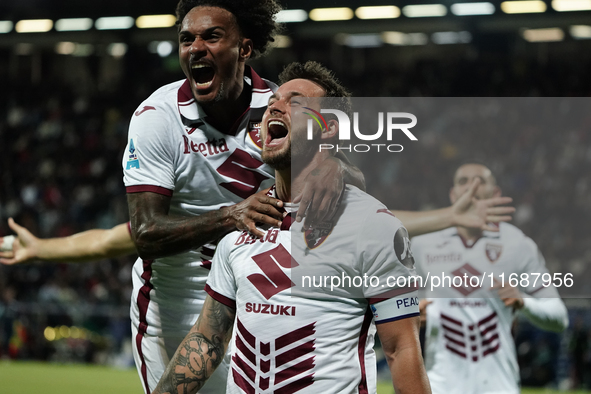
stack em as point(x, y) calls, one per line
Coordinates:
point(15, 227)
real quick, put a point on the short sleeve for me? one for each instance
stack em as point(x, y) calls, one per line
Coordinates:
point(387, 257)
point(148, 160)
point(221, 283)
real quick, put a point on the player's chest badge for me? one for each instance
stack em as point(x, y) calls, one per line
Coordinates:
point(317, 235)
point(254, 131)
point(493, 252)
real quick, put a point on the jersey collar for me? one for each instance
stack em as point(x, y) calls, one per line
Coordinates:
point(192, 115)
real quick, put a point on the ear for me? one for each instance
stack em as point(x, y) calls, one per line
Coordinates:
point(332, 131)
point(246, 48)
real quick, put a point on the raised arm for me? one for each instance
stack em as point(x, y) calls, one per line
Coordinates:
point(157, 234)
point(89, 245)
point(467, 211)
point(201, 351)
point(400, 342)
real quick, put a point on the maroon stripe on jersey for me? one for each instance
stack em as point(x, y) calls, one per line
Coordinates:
point(247, 335)
point(391, 294)
point(149, 188)
point(244, 367)
point(294, 353)
point(536, 290)
point(491, 350)
point(286, 222)
point(242, 383)
point(129, 227)
point(206, 264)
point(296, 386)
point(448, 328)
point(294, 370)
point(257, 82)
point(361, 350)
point(230, 303)
point(488, 329)
point(295, 335)
point(462, 344)
point(465, 242)
point(489, 340)
point(143, 300)
point(451, 349)
point(207, 251)
point(245, 350)
point(451, 320)
point(487, 319)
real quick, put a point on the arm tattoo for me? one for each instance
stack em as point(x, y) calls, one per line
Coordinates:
point(201, 351)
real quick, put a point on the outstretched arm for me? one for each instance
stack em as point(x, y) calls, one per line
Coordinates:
point(467, 211)
point(201, 351)
point(400, 341)
point(89, 245)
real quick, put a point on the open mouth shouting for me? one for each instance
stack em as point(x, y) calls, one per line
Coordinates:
point(276, 133)
point(203, 75)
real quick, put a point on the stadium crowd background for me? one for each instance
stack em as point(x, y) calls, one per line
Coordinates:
point(63, 126)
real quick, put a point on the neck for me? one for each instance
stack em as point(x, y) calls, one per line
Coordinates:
point(224, 113)
point(290, 182)
point(469, 234)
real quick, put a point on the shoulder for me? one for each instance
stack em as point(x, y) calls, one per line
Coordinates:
point(512, 236)
point(164, 98)
point(368, 211)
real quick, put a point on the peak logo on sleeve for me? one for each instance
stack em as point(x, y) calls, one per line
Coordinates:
point(132, 160)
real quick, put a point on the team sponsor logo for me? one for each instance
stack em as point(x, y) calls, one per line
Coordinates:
point(374, 310)
point(317, 235)
point(402, 248)
point(444, 258)
point(273, 280)
point(493, 252)
point(254, 132)
point(208, 148)
point(269, 309)
point(282, 364)
point(466, 271)
point(146, 108)
point(471, 341)
point(132, 160)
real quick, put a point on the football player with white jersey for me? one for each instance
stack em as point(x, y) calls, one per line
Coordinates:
point(193, 172)
point(311, 340)
point(469, 347)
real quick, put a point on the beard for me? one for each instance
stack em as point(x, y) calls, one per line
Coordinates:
point(278, 160)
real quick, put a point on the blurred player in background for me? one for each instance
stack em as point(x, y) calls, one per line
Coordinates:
point(330, 330)
point(469, 347)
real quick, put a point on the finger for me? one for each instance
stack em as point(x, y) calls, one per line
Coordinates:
point(496, 218)
point(473, 186)
point(498, 201)
point(270, 201)
point(269, 210)
point(305, 200)
point(315, 214)
point(490, 227)
point(15, 227)
point(499, 210)
point(253, 230)
point(10, 261)
point(7, 255)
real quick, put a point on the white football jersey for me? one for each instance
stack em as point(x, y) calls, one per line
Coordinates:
point(469, 346)
point(174, 151)
point(294, 335)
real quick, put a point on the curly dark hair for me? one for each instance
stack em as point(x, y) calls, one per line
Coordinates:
point(324, 77)
point(255, 18)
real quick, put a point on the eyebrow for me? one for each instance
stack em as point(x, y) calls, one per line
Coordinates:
point(289, 94)
point(209, 30)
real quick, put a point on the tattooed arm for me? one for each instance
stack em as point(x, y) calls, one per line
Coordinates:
point(158, 234)
point(201, 351)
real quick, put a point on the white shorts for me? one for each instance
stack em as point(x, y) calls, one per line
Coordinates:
point(152, 354)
